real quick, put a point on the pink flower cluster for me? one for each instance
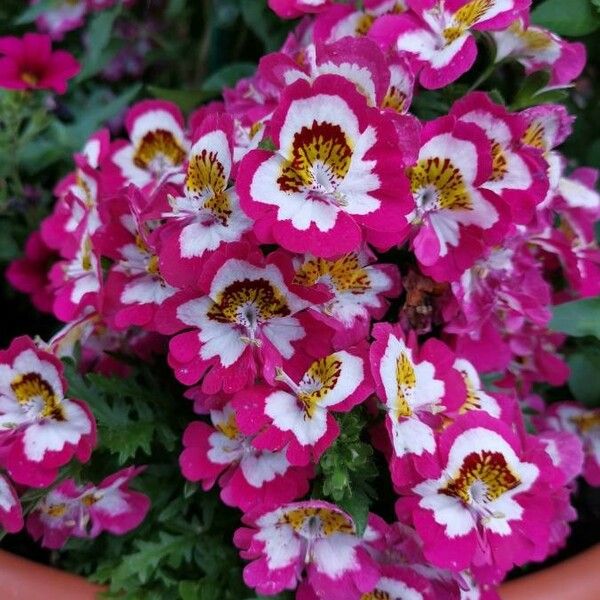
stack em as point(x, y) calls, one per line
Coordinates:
point(261, 236)
point(41, 430)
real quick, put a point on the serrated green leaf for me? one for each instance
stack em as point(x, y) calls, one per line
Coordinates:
point(578, 318)
point(580, 18)
point(228, 76)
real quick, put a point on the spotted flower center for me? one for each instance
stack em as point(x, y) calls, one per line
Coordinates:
point(249, 303)
point(318, 381)
point(228, 428)
point(395, 99)
point(158, 151)
point(473, 402)
point(344, 274)
point(406, 381)
point(37, 396)
point(534, 40)
point(483, 477)
point(377, 595)
point(534, 136)
point(206, 182)
point(499, 162)
point(364, 24)
point(587, 421)
point(465, 17)
point(320, 159)
point(56, 510)
point(317, 522)
point(437, 184)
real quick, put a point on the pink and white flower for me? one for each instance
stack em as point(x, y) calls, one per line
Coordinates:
point(438, 35)
point(85, 511)
point(61, 16)
point(518, 172)
point(343, 21)
point(334, 179)
point(40, 429)
point(456, 217)
point(485, 508)
point(537, 48)
point(417, 386)
point(244, 318)
point(207, 214)
point(248, 477)
point(77, 282)
point(360, 287)
point(299, 420)
point(135, 288)
point(585, 424)
point(11, 515)
point(312, 536)
point(158, 143)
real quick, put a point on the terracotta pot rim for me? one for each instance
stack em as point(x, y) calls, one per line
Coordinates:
point(577, 578)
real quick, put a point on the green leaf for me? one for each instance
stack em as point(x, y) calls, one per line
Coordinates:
point(187, 100)
point(99, 35)
point(33, 12)
point(584, 381)
point(228, 76)
point(573, 18)
point(140, 564)
point(592, 157)
point(347, 468)
point(578, 318)
point(9, 249)
point(596, 4)
point(533, 84)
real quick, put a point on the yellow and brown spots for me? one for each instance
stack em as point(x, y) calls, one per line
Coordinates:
point(534, 136)
point(395, 99)
point(317, 521)
point(31, 387)
point(487, 469)
point(465, 17)
point(406, 381)
point(377, 595)
point(204, 171)
point(345, 274)
point(89, 499)
point(322, 146)
point(587, 421)
point(437, 183)
point(473, 402)
point(322, 376)
point(249, 301)
point(499, 162)
point(535, 40)
point(157, 151)
point(56, 510)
